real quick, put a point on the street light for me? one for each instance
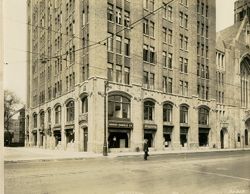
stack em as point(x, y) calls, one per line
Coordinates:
point(105, 147)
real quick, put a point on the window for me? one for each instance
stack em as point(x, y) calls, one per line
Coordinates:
point(118, 107)
point(126, 75)
point(145, 27)
point(152, 55)
point(185, 65)
point(170, 59)
point(126, 46)
point(181, 64)
point(167, 84)
point(151, 29)
point(185, 88)
point(181, 19)
point(145, 52)
point(203, 116)
point(185, 20)
point(84, 104)
point(168, 12)
point(49, 115)
point(145, 78)
point(207, 72)
point(185, 43)
point(118, 44)
point(70, 107)
point(207, 93)
point(167, 112)
point(170, 36)
point(183, 114)
point(126, 18)
point(164, 57)
point(35, 120)
point(118, 18)
point(119, 74)
point(202, 71)
point(149, 110)
point(110, 42)
point(151, 80)
point(164, 32)
point(110, 72)
point(110, 12)
point(198, 69)
point(184, 2)
point(181, 41)
point(58, 115)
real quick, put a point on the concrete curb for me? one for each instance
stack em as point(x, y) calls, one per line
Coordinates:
point(120, 155)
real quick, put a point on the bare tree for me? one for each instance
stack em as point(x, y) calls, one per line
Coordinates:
point(11, 103)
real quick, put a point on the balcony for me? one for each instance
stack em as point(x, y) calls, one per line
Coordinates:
point(83, 117)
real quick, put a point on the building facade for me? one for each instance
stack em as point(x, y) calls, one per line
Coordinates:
point(232, 59)
point(120, 71)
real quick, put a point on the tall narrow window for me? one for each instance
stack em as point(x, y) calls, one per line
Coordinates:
point(170, 59)
point(145, 27)
point(152, 55)
point(149, 110)
point(118, 74)
point(118, 18)
point(110, 12)
point(126, 18)
point(126, 75)
point(70, 108)
point(151, 29)
point(167, 112)
point(183, 114)
point(110, 72)
point(118, 44)
point(151, 80)
point(110, 42)
point(127, 47)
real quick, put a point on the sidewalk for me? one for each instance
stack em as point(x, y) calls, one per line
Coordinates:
point(22, 154)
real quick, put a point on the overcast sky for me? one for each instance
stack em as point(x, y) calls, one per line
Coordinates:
point(15, 40)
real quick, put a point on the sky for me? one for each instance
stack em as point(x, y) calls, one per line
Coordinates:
point(15, 41)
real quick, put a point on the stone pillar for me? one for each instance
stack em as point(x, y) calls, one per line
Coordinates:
point(63, 121)
point(31, 141)
point(46, 125)
point(137, 133)
point(176, 129)
point(193, 131)
point(77, 128)
point(38, 132)
point(159, 120)
point(52, 138)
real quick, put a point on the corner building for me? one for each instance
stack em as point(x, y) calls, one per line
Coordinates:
point(153, 62)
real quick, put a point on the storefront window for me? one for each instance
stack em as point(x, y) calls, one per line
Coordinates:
point(148, 110)
point(118, 107)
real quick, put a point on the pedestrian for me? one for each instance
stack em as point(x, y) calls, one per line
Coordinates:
point(145, 149)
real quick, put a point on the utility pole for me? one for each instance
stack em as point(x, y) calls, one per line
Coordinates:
point(105, 147)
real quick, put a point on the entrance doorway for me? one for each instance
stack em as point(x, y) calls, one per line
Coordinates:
point(35, 139)
point(203, 137)
point(118, 140)
point(246, 137)
point(167, 133)
point(184, 136)
point(223, 138)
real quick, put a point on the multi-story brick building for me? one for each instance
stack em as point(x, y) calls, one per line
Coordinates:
point(152, 61)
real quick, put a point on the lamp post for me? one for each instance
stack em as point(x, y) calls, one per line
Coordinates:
point(105, 147)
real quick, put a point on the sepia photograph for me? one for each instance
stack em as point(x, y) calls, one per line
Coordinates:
point(125, 96)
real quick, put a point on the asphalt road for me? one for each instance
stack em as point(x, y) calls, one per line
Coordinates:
point(201, 173)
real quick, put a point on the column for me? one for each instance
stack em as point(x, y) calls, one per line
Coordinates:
point(77, 128)
point(63, 121)
point(38, 132)
point(31, 141)
point(45, 137)
point(193, 131)
point(137, 133)
point(52, 138)
point(176, 129)
point(159, 122)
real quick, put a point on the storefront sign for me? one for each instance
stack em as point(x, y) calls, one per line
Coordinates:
point(120, 125)
point(150, 126)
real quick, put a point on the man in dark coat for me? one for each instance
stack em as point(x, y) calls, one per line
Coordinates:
point(145, 149)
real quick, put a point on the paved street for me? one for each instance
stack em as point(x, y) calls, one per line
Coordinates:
point(212, 173)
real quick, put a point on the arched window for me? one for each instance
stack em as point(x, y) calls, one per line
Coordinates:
point(183, 114)
point(84, 104)
point(118, 107)
point(70, 111)
point(35, 120)
point(203, 116)
point(244, 82)
point(149, 110)
point(49, 115)
point(167, 112)
point(42, 119)
point(58, 115)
